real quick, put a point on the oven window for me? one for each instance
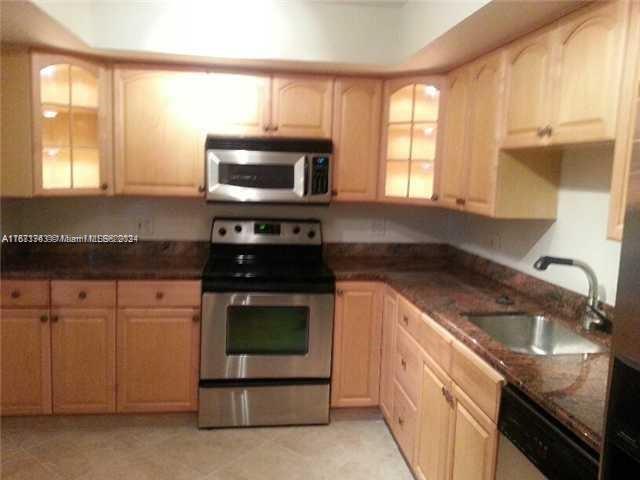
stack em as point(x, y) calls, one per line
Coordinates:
point(253, 330)
point(257, 176)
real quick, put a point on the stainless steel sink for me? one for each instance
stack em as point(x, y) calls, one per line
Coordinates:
point(533, 334)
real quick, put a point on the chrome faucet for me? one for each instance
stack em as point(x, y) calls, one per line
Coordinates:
point(594, 317)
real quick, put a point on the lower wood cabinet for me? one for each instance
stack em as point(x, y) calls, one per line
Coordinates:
point(435, 423)
point(475, 444)
point(158, 357)
point(389, 322)
point(355, 380)
point(403, 424)
point(445, 400)
point(67, 349)
point(83, 350)
point(25, 371)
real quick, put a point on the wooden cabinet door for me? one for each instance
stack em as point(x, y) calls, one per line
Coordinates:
point(435, 415)
point(237, 104)
point(83, 355)
point(25, 371)
point(301, 106)
point(356, 133)
point(590, 53)
point(452, 168)
point(628, 127)
point(475, 445)
point(482, 153)
point(159, 117)
point(72, 126)
point(157, 359)
point(355, 379)
point(528, 90)
point(389, 321)
point(16, 168)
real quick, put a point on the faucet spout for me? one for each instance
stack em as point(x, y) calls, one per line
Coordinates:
point(593, 318)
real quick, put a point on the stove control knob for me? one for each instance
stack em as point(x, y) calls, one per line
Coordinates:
point(222, 231)
point(237, 228)
point(311, 234)
point(296, 229)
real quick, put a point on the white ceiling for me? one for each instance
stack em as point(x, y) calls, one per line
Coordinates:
point(361, 35)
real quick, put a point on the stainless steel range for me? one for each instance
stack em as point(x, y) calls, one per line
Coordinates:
point(267, 325)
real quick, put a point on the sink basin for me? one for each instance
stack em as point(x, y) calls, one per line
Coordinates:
point(533, 334)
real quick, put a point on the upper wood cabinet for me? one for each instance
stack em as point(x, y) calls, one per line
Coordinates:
point(528, 90)
point(476, 176)
point(25, 370)
point(159, 134)
point(481, 163)
point(237, 104)
point(590, 48)
point(563, 82)
point(71, 126)
point(355, 379)
point(628, 133)
point(356, 135)
point(410, 140)
point(301, 106)
point(452, 168)
point(16, 158)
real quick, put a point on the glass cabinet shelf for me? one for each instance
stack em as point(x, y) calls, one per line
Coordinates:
point(411, 141)
point(69, 121)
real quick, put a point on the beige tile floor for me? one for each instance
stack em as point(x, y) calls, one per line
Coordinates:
point(357, 445)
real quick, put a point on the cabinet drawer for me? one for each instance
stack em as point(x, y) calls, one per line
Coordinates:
point(404, 422)
point(407, 364)
point(408, 316)
point(477, 379)
point(83, 294)
point(159, 293)
point(25, 293)
point(436, 341)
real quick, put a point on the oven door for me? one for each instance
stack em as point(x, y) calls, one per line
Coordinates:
point(253, 176)
point(266, 335)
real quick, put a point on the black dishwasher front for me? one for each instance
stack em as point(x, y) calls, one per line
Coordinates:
point(552, 448)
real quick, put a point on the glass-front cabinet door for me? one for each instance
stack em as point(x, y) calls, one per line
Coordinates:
point(72, 126)
point(410, 142)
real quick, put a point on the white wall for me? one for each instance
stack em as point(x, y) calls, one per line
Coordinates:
point(424, 21)
point(579, 232)
point(358, 32)
point(182, 219)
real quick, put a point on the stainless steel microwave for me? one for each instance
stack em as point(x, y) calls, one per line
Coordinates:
point(268, 170)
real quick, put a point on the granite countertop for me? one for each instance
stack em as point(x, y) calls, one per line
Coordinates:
point(570, 387)
point(142, 261)
point(443, 285)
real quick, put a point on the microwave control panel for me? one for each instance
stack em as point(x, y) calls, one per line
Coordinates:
point(319, 175)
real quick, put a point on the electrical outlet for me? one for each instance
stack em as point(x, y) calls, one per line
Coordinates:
point(379, 226)
point(144, 227)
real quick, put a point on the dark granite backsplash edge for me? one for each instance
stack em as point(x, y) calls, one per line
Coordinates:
point(398, 256)
point(568, 303)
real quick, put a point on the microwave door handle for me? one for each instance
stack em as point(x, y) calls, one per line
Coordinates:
point(307, 176)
